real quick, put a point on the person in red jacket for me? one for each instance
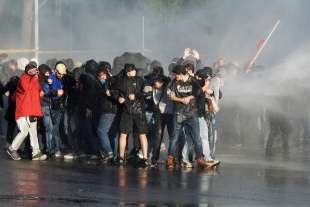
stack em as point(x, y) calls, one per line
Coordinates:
point(28, 109)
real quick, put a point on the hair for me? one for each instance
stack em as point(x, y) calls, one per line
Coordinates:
point(189, 66)
point(91, 67)
point(179, 69)
point(103, 70)
point(104, 64)
point(129, 67)
point(30, 66)
point(43, 68)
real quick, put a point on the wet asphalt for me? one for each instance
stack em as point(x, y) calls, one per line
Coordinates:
point(239, 181)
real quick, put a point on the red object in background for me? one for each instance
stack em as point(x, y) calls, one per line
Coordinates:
point(261, 43)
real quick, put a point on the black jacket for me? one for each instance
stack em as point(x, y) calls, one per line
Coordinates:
point(132, 85)
point(45, 100)
point(202, 102)
point(149, 99)
point(87, 93)
point(107, 104)
point(11, 88)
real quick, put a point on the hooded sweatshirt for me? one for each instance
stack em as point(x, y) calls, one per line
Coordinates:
point(133, 85)
point(28, 101)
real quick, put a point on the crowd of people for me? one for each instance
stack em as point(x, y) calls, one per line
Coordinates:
point(71, 111)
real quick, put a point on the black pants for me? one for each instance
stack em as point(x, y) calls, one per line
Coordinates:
point(133, 121)
point(10, 132)
point(88, 140)
point(161, 122)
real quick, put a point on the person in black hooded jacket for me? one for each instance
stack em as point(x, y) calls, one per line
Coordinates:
point(162, 109)
point(46, 121)
point(87, 85)
point(107, 102)
point(131, 96)
point(10, 111)
point(69, 122)
point(87, 110)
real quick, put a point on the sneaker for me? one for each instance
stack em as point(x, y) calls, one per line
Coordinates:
point(169, 162)
point(93, 157)
point(133, 158)
point(58, 154)
point(202, 163)
point(132, 155)
point(107, 157)
point(186, 164)
point(120, 161)
point(39, 156)
point(13, 154)
point(213, 162)
point(154, 163)
point(140, 155)
point(82, 155)
point(142, 163)
point(69, 156)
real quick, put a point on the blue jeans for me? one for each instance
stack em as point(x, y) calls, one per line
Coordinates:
point(186, 146)
point(70, 128)
point(107, 139)
point(189, 124)
point(47, 121)
point(204, 134)
point(56, 133)
point(212, 132)
point(53, 143)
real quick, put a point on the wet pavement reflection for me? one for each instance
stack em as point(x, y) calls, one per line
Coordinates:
point(235, 183)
